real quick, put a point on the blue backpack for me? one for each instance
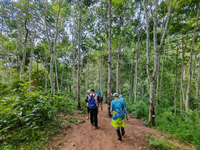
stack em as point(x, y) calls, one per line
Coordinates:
point(119, 112)
point(92, 102)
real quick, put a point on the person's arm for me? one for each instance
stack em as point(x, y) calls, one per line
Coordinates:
point(86, 98)
point(111, 107)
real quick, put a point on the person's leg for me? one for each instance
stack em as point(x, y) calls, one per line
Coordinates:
point(95, 117)
point(119, 134)
point(91, 115)
point(101, 106)
point(88, 111)
point(123, 132)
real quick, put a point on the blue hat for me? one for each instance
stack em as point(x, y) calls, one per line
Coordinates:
point(98, 93)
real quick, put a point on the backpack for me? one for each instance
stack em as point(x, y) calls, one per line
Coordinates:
point(119, 112)
point(92, 102)
point(100, 98)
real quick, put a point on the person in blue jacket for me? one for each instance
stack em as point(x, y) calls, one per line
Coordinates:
point(118, 111)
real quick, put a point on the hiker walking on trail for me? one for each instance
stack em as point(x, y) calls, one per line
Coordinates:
point(117, 109)
point(87, 97)
point(93, 106)
point(100, 99)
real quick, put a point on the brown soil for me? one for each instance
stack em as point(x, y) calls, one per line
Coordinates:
point(86, 137)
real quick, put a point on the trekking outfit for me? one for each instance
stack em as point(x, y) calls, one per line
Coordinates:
point(88, 109)
point(118, 111)
point(100, 99)
point(93, 106)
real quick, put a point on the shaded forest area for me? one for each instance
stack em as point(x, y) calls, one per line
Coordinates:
point(52, 52)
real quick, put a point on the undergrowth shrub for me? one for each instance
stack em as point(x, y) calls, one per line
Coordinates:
point(140, 109)
point(33, 117)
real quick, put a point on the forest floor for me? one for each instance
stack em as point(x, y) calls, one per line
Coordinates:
point(86, 137)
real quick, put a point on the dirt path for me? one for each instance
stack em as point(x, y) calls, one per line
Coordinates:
point(86, 137)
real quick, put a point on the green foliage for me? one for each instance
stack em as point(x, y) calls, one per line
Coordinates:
point(4, 89)
point(159, 144)
point(28, 119)
point(140, 109)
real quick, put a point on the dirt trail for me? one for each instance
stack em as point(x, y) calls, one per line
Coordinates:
point(86, 137)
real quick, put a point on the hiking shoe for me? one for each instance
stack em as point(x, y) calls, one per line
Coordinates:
point(97, 127)
point(123, 133)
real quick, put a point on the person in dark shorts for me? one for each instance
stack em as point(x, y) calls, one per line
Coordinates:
point(87, 97)
point(93, 105)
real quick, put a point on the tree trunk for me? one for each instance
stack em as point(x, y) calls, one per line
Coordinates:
point(45, 74)
point(88, 71)
point(136, 68)
point(73, 71)
point(118, 70)
point(142, 89)
point(157, 80)
point(30, 67)
point(56, 75)
point(109, 61)
point(24, 43)
point(190, 64)
point(12, 60)
point(157, 49)
point(61, 88)
point(79, 55)
point(196, 84)
point(101, 71)
point(54, 46)
point(176, 84)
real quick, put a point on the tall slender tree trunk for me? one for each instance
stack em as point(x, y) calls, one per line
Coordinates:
point(24, 43)
point(45, 64)
point(109, 60)
point(73, 71)
point(88, 71)
point(118, 70)
point(157, 80)
point(130, 82)
point(12, 60)
point(56, 75)
point(196, 84)
point(142, 89)
point(190, 64)
point(101, 72)
point(176, 82)
point(157, 50)
point(182, 72)
point(61, 88)
point(79, 55)
point(30, 67)
point(54, 45)
point(136, 68)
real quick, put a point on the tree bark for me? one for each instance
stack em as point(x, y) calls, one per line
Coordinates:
point(79, 55)
point(56, 75)
point(136, 68)
point(12, 60)
point(157, 49)
point(88, 69)
point(109, 60)
point(45, 64)
point(31, 62)
point(118, 70)
point(196, 84)
point(101, 72)
point(190, 63)
point(61, 88)
point(73, 71)
point(24, 43)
